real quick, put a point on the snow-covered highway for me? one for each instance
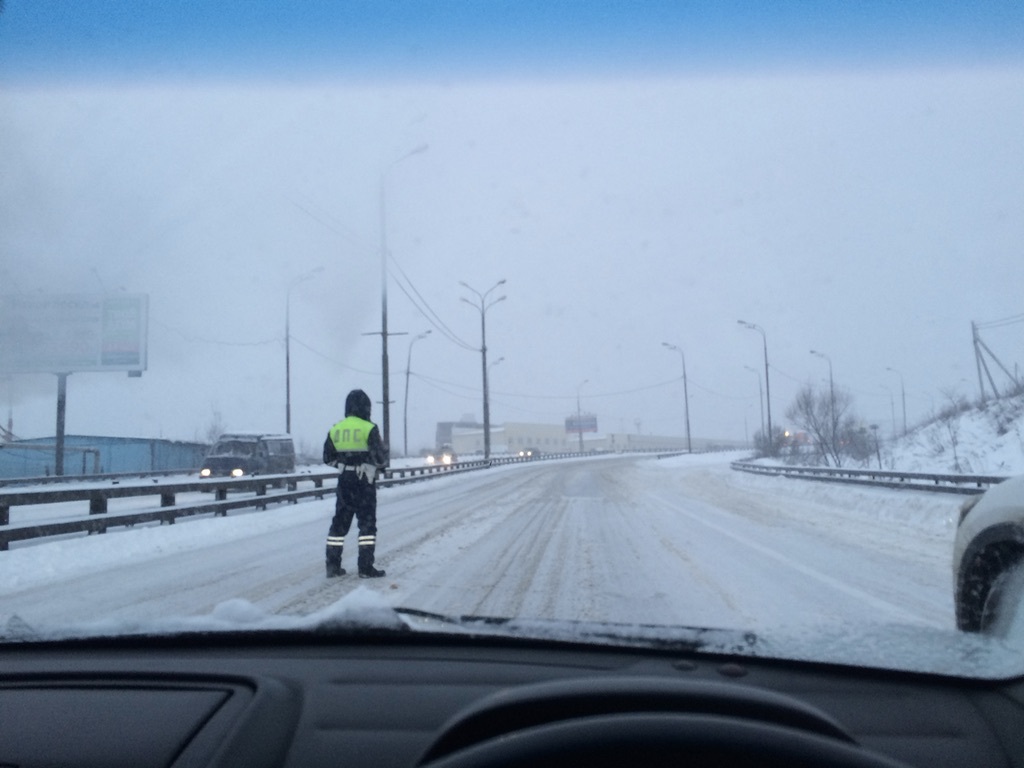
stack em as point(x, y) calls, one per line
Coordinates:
point(673, 541)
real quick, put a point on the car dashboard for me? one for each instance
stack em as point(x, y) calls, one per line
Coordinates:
point(312, 701)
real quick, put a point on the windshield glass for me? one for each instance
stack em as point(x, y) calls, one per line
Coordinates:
point(541, 284)
point(233, 448)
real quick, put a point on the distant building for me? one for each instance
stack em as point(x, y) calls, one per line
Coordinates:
point(467, 438)
point(511, 437)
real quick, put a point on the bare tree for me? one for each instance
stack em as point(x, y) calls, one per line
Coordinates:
point(949, 421)
point(766, 447)
point(827, 418)
point(215, 428)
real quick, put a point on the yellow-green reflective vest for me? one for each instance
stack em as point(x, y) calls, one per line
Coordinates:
point(351, 435)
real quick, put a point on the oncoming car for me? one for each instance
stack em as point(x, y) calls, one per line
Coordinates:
point(443, 456)
point(989, 562)
point(241, 454)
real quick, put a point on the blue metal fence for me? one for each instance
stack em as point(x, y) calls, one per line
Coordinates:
point(90, 454)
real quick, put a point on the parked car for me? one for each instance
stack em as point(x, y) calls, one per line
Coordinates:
point(988, 559)
point(240, 454)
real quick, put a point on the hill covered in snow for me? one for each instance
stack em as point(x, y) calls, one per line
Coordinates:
point(970, 439)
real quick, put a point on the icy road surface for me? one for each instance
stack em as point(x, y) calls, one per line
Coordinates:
point(625, 539)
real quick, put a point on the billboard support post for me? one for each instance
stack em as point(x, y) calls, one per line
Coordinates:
point(62, 401)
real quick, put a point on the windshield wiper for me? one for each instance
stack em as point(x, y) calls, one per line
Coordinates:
point(655, 636)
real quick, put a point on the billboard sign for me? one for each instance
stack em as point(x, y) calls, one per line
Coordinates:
point(67, 333)
point(579, 423)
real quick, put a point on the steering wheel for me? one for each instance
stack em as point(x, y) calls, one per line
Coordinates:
point(660, 741)
point(645, 722)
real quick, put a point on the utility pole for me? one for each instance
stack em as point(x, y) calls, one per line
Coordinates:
point(385, 388)
point(579, 414)
point(767, 385)
point(686, 393)
point(482, 306)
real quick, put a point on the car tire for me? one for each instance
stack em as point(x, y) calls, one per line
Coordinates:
point(1002, 615)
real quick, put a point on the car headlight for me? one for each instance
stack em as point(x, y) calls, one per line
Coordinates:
point(431, 460)
point(204, 472)
point(236, 472)
point(447, 458)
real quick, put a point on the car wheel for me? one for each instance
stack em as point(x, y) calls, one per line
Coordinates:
point(1003, 613)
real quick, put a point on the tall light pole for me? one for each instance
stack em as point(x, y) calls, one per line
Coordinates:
point(288, 346)
point(831, 388)
point(405, 413)
point(760, 393)
point(903, 395)
point(482, 305)
point(767, 385)
point(386, 394)
point(686, 393)
point(579, 414)
point(892, 409)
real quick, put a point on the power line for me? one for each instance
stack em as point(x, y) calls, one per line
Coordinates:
point(330, 359)
point(424, 307)
point(1014, 320)
point(216, 342)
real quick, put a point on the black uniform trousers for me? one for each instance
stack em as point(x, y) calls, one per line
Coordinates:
point(355, 498)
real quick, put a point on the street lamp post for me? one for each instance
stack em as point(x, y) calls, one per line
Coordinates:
point(288, 347)
point(892, 409)
point(385, 393)
point(405, 412)
point(760, 392)
point(482, 305)
point(831, 387)
point(579, 414)
point(903, 395)
point(767, 385)
point(686, 393)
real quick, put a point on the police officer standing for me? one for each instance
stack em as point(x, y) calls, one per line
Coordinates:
point(354, 446)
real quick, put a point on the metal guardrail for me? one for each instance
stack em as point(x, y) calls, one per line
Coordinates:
point(260, 490)
point(54, 479)
point(916, 481)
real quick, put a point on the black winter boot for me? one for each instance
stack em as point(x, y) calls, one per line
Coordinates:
point(370, 573)
point(334, 561)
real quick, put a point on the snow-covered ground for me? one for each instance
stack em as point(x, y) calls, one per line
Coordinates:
point(682, 540)
point(986, 440)
point(633, 540)
point(980, 441)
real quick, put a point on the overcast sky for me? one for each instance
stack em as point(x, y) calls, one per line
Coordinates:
point(850, 186)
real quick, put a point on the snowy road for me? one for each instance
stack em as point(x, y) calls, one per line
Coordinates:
point(676, 541)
